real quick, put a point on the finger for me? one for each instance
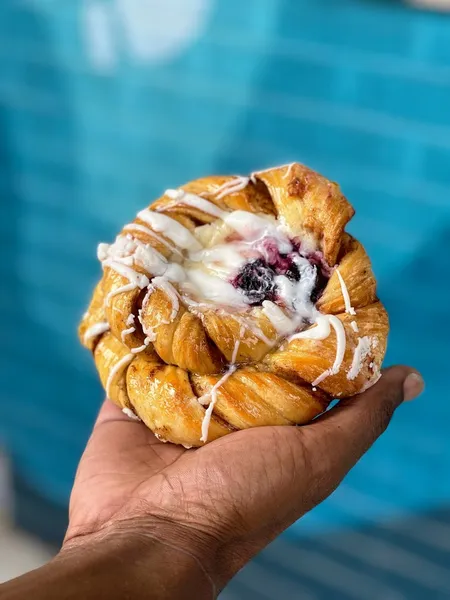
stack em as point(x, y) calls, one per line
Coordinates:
point(342, 435)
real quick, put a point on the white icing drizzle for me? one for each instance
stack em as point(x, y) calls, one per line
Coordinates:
point(130, 319)
point(232, 186)
point(121, 363)
point(197, 306)
point(127, 251)
point(149, 331)
point(340, 349)
point(282, 324)
point(161, 283)
point(289, 171)
point(296, 294)
point(147, 341)
point(164, 285)
point(186, 199)
point(253, 329)
point(129, 287)
point(130, 414)
point(102, 251)
point(271, 169)
point(321, 330)
point(149, 232)
point(177, 233)
point(252, 227)
point(126, 332)
point(95, 330)
point(213, 394)
point(348, 307)
point(216, 290)
point(136, 279)
point(236, 349)
point(224, 258)
point(354, 326)
point(122, 255)
point(361, 352)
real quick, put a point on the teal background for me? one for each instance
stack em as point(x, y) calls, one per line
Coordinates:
point(359, 90)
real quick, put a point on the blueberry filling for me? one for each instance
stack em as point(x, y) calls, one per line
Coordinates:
point(256, 282)
point(256, 278)
point(292, 272)
point(279, 262)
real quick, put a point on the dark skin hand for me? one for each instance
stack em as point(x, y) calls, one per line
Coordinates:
point(154, 520)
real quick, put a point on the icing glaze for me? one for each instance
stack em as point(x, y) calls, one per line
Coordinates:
point(256, 173)
point(165, 286)
point(96, 330)
point(129, 287)
point(340, 349)
point(130, 414)
point(289, 171)
point(149, 232)
point(214, 289)
point(212, 394)
point(320, 331)
point(361, 352)
point(147, 341)
point(187, 199)
point(126, 332)
point(225, 258)
point(252, 227)
point(348, 307)
point(282, 324)
point(170, 228)
point(121, 363)
point(232, 186)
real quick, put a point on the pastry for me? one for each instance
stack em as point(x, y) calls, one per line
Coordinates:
point(235, 302)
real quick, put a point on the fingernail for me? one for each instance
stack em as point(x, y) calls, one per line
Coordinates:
point(413, 386)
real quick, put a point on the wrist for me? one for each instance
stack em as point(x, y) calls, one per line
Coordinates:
point(150, 554)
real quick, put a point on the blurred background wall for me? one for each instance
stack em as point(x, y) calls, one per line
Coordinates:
point(105, 103)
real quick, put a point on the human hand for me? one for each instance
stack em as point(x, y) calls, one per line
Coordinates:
point(224, 502)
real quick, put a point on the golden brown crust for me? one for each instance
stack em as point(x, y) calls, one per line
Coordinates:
point(159, 359)
point(309, 358)
point(356, 270)
point(251, 398)
point(310, 205)
point(163, 398)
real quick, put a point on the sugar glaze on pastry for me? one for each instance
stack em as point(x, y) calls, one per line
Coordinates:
point(236, 302)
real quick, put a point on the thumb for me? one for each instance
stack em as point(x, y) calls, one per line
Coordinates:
point(342, 435)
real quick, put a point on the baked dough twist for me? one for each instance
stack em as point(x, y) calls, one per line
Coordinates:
point(236, 302)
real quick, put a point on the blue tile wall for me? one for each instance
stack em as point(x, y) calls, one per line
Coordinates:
point(93, 126)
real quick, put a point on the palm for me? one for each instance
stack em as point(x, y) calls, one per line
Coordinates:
point(127, 471)
point(122, 459)
point(250, 484)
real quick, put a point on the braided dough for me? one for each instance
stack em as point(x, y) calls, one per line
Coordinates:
point(236, 302)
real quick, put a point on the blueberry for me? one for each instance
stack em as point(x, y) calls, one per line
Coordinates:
point(256, 282)
point(321, 283)
point(293, 272)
